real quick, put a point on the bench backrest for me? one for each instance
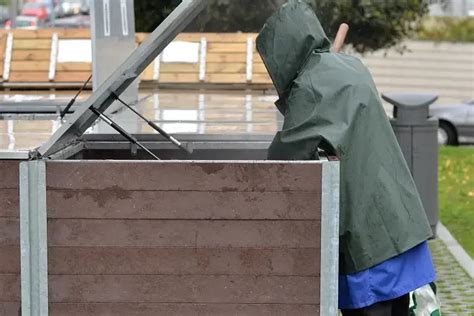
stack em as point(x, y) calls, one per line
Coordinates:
point(31, 57)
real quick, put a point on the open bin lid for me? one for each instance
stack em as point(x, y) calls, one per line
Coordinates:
point(122, 78)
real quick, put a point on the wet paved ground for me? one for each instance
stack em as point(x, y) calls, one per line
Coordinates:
point(175, 111)
point(456, 288)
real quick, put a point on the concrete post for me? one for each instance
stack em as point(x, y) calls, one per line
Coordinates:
point(113, 41)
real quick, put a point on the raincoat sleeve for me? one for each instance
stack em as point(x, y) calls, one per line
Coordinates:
point(311, 124)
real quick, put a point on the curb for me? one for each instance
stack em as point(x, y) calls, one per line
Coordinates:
point(458, 252)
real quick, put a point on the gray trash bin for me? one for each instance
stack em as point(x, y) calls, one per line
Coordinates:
point(417, 134)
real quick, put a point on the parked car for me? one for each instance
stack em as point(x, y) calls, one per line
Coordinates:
point(25, 22)
point(455, 121)
point(79, 21)
point(51, 5)
point(36, 9)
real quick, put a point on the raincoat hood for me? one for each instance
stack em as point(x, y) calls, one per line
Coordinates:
point(287, 40)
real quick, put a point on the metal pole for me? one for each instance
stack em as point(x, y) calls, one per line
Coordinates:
point(13, 10)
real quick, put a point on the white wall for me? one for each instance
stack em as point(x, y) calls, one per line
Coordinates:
point(446, 69)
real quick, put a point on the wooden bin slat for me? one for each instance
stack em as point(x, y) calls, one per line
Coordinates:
point(9, 174)
point(153, 309)
point(9, 259)
point(10, 288)
point(198, 176)
point(182, 261)
point(9, 203)
point(12, 308)
point(184, 289)
point(9, 232)
point(115, 203)
point(9, 239)
point(181, 233)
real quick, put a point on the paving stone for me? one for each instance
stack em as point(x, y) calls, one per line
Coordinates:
point(455, 287)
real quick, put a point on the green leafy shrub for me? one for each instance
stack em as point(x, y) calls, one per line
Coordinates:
point(375, 24)
point(448, 29)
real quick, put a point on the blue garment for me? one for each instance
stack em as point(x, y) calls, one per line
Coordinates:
point(389, 280)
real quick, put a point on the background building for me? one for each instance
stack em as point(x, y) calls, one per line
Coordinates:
point(451, 7)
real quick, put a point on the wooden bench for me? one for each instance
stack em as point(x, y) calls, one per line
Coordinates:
point(30, 59)
point(225, 59)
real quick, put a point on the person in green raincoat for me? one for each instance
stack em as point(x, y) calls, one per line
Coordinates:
point(329, 101)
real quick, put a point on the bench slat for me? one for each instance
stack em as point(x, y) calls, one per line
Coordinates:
point(30, 55)
point(38, 44)
point(29, 76)
point(73, 66)
point(27, 66)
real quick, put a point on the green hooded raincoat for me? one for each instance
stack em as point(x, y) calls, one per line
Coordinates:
point(330, 101)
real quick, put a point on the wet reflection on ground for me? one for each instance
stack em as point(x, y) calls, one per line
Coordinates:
point(175, 111)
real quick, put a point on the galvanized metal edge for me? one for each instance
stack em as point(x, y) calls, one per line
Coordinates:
point(14, 155)
point(69, 151)
point(33, 237)
point(330, 238)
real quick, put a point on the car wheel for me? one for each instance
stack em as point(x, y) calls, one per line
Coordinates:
point(446, 134)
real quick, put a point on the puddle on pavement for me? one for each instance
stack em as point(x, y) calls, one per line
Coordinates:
point(175, 111)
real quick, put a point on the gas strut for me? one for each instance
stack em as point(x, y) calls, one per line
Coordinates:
point(153, 125)
point(122, 132)
point(73, 100)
